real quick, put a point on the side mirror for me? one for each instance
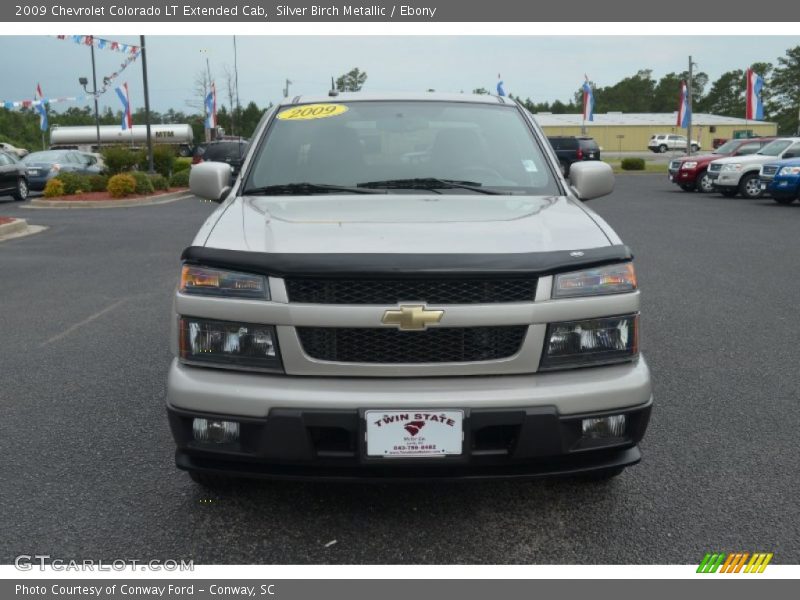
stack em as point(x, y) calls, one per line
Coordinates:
point(211, 180)
point(591, 179)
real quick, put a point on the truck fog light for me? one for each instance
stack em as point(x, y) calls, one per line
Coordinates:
point(603, 427)
point(215, 431)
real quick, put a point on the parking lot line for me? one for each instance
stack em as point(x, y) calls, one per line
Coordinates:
point(86, 321)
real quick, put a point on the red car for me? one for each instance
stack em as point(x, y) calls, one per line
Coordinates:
point(689, 172)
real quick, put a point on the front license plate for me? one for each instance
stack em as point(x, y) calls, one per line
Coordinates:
point(671, 178)
point(414, 433)
point(763, 186)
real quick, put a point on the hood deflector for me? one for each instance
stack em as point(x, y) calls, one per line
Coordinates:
point(405, 265)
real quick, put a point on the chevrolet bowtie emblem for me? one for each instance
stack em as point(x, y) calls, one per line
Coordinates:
point(412, 318)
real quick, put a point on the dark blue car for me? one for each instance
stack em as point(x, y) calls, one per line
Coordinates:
point(43, 166)
point(781, 179)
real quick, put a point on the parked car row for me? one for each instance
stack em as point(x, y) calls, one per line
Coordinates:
point(18, 177)
point(746, 167)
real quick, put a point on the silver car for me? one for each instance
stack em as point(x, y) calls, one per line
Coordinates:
point(405, 287)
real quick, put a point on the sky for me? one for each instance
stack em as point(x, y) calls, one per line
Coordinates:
point(543, 68)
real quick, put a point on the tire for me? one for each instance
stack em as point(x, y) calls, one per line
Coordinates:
point(785, 200)
point(704, 183)
point(565, 169)
point(212, 481)
point(184, 152)
point(695, 147)
point(750, 186)
point(729, 193)
point(662, 148)
point(687, 187)
point(21, 194)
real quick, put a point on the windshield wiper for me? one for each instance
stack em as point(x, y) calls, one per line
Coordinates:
point(429, 183)
point(305, 188)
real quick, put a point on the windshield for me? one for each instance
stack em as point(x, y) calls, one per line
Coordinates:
point(44, 157)
point(775, 148)
point(402, 147)
point(727, 148)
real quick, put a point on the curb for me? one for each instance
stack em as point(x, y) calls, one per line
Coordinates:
point(148, 201)
point(16, 226)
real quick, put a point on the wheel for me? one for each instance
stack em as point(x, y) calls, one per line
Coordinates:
point(184, 152)
point(687, 187)
point(22, 190)
point(662, 148)
point(704, 183)
point(695, 147)
point(564, 169)
point(785, 200)
point(211, 481)
point(750, 186)
point(729, 193)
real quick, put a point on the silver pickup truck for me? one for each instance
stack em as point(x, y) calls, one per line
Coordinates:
point(405, 287)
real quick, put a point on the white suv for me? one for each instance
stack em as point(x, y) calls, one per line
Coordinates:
point(662, 142)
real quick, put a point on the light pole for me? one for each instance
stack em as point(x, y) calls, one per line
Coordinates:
point(147, 108)
point(84, 82)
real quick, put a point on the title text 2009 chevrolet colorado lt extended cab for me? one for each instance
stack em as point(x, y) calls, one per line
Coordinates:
point(405, 287)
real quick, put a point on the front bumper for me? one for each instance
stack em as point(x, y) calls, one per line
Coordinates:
point(782, 186)
point(516, 426)
point(683, 176)
point(38, 182)
point(726, 180)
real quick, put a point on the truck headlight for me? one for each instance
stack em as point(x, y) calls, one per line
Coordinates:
point(590, 342)
point(229, 344)
point(691, 164)
point(790, 171)
point(207, 281)
point(611, 279)
point(732, 167)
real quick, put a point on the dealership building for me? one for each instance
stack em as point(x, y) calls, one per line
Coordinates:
point(630, 132)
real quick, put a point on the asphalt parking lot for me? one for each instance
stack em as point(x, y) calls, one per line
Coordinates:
point(87, 465)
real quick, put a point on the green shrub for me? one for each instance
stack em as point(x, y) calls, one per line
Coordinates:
point(74, 183)
point(179, 179)
point(182, 164)
point(143, 184)
point(159, 181)
point(632, 164)
point(120, 158)
point(121, 185)
point(98, 183)
point(163, 159)
point(53, 188)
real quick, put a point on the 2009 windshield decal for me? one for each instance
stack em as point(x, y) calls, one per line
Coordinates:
point(312, 111)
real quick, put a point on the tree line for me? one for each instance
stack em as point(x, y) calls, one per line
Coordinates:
point(725, 96)
point(639, 92)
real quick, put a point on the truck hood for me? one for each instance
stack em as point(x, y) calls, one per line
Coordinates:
point(748, 159)
point(402, 224)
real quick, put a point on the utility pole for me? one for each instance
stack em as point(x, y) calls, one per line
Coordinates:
point(286, 89)
point(151, 169)
point(94, 87)
point(689, 108)
point(236, 109)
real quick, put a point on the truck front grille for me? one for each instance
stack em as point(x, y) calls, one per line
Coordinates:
point(769, 170)
point(674, 165)
point(393, 291)
point(437, 345)
point(714, 168)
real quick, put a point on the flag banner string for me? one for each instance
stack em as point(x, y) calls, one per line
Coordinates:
point(107, 81)
point(100, 43)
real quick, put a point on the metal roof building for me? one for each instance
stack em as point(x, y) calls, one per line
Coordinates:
point(630, 132)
